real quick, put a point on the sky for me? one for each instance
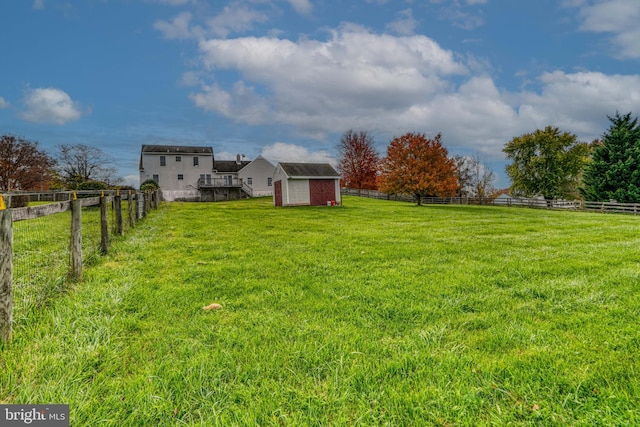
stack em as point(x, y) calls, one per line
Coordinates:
point(286, 78)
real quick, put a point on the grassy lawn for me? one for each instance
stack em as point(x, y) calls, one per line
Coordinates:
point(374, 313)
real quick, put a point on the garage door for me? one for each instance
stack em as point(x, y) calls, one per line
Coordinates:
point(322, 191)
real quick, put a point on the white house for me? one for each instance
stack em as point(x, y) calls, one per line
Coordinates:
point(298, 184)
point(258, 176)
point(192, 173)
point(177, 170)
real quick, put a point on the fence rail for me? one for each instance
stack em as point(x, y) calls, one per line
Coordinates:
point(605, 207)
point(627, 208)
point(15, 246)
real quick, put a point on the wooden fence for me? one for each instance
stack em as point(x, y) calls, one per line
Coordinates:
point(139, 205)
point(604, 207)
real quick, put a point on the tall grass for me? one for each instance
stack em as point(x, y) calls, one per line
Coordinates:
point(374, 313)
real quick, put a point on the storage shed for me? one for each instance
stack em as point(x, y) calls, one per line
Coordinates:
point(305, 184)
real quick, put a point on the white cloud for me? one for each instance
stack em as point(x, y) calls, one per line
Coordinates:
point(303, 7)
point(617, 17)
point(49, 105)
point(241, 103)
point(132, 180)
point(579, 102)
point(38, 4)
point(282, 152)
point(171, 2)
point(466, 15)
point(405, 24)
point(178, 28)
point(462, 19)
point(390, 85)
point(190, 78)
point(235, 18)
point(3, 103)
point(313, 85)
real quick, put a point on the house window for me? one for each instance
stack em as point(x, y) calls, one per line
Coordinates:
point(178, 159)
point(196, 161)
point(269, 182)
point(180, 177)
point(156, 178)
point(163, 161)
point(250, 181)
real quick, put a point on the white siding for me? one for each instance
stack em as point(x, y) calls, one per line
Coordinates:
point(168, 174)
point(338, 193)
point(260, 171)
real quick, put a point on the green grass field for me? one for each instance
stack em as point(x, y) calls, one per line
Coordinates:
point(373, 313)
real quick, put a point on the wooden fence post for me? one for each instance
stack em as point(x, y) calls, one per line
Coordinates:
point(156, 199)
point(6, 272)
point(117, 202)
point(104, 225)
point(76, 239)
point(132, 221)
point(138, 206)
point(147, 203)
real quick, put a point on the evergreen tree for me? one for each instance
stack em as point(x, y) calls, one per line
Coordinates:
point(614, 170)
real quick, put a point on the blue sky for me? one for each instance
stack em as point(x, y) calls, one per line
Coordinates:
point(285, 78)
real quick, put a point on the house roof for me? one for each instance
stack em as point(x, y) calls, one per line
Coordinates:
point(173, 149)
point(229, 165)
point(176, 149)
point(309, 170)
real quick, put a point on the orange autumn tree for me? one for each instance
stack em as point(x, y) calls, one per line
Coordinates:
point(419, 166)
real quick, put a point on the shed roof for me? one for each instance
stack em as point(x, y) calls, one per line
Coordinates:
point(309, 170)
point(229, 165)
point(176, 149)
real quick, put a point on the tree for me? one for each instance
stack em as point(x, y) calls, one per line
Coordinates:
point(23, 166)
point(614, 170)
point(419, 166)
point(463, 175)
point(546, 162)
point(79, 163)
point(475, 177)
point(358, 160)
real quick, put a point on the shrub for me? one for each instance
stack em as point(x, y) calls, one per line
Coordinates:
point(93, 185)
point(149, 185)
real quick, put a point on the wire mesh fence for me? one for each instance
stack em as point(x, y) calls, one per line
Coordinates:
point(40, 262)
point(39, 251)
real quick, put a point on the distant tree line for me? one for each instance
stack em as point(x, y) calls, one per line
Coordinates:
point(24, 166)
point(414, 164)
point(547, 162)
point(555, 165)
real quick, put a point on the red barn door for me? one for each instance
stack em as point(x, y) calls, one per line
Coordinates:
point(277, 193)
point(322, 191)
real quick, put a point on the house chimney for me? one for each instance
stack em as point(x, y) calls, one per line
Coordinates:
point(238, 159)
